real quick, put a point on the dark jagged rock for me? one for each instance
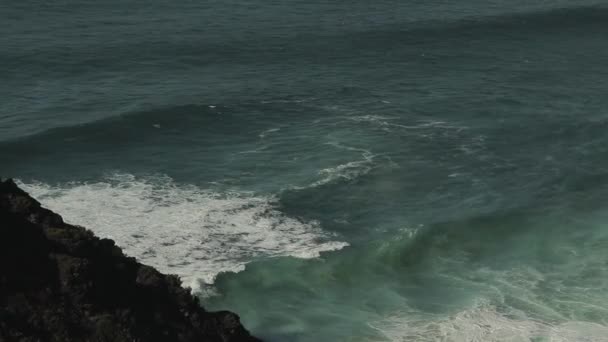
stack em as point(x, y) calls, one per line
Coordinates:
point(58, 282)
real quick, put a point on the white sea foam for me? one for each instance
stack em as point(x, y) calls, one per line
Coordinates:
point(383, 122)
point(387, 123)
point(483, 323)
point(347, 171)
point(268, 131)
point(184, 230)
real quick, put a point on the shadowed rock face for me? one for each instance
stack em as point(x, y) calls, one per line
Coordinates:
point(59, 282)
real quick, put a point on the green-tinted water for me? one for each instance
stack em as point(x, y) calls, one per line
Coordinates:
point(386, 171)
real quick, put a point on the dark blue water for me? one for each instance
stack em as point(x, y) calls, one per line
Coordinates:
point(332, 171)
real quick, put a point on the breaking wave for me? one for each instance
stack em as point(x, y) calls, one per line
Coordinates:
point(183, 229)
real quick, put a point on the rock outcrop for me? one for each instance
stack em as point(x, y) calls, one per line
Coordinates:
point(59, 282)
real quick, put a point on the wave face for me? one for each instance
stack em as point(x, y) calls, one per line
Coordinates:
point(512, 277)
point(458, 148)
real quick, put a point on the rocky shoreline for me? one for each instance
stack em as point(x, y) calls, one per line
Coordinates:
point(59, 282)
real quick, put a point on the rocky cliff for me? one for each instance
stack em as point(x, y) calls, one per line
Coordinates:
point(58, 282)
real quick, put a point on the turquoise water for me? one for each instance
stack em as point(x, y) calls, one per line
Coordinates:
point(332, 171)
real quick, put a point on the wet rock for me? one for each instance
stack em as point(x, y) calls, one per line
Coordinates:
point(58, 282)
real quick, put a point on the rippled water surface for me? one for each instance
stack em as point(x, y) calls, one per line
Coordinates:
point(332, 171)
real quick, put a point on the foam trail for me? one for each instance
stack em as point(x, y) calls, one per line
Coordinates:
point(347, 171)
point(268, 131)
point(386, 123)
point(184, 230)
point(483, 323)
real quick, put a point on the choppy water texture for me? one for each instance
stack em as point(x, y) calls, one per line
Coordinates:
point(332, 171)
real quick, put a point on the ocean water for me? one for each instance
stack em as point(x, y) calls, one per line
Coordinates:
point(330, 170)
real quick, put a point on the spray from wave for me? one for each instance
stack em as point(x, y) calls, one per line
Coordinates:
point(183, 229)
